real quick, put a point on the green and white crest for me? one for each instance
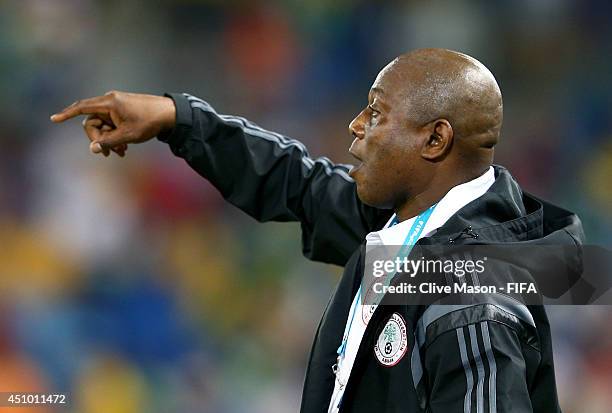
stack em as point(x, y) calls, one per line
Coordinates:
point(392, 342)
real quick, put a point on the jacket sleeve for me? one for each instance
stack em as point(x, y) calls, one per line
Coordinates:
point(272, 178)
point(482, 366)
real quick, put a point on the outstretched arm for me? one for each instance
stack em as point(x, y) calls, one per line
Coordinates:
point(267, 175)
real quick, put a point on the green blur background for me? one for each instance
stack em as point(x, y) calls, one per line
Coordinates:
point(130, 284)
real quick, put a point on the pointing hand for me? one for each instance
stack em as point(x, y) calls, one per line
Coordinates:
point(119, 118)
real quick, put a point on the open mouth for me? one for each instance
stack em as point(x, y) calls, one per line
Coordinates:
point(354, 154)
point(355, 168)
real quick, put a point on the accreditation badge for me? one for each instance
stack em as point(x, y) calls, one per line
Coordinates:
point(392, 342)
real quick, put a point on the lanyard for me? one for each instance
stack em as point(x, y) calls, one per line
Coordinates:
point(413, 236)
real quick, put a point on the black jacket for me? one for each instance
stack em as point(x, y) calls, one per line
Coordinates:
point(476, 358)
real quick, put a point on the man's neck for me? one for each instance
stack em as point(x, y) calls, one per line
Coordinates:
point(435, 191)
point(419, 203)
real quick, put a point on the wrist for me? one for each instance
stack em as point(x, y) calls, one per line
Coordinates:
point(178, 117)
point(167, 119)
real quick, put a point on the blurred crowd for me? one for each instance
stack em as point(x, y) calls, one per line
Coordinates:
point(131, 285)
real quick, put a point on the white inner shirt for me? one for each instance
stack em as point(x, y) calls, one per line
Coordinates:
point(453, 201)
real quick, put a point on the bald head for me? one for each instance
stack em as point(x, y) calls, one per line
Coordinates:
point(432, 120)
point(440, 83)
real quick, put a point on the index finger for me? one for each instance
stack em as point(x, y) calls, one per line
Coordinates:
point(95, 105)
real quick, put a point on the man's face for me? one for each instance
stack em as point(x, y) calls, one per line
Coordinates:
point(387, 144)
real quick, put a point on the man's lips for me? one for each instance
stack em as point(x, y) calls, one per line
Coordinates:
point(355, 155)
point(352, 150)
point(354, 169)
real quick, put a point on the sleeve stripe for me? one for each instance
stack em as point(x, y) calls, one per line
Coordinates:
point(479, 367)
point(247, 124)
point(467, 401)
point(486, 339)
point(416, 365)
point(282, 141)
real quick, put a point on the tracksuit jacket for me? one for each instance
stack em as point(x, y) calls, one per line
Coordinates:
point(480, 358)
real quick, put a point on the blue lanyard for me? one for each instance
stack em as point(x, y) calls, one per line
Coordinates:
point(413, 236)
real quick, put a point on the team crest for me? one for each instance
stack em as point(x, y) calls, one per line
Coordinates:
point(392, 342)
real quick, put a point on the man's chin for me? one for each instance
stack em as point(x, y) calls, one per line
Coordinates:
point(372, 198)
point(367, 197)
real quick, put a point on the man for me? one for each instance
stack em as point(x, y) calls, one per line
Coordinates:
point(425, 147)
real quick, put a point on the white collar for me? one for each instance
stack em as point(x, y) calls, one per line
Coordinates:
point(455, 199)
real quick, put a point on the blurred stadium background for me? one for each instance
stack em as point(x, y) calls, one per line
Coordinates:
point(133, 286)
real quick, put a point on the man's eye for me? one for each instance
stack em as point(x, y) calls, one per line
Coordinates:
point(373, 113)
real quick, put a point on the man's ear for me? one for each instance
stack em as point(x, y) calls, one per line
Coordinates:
point(440, 140)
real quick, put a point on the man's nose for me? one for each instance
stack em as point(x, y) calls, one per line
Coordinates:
point(356, 127)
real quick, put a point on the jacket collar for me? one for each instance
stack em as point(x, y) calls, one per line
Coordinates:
point(503, 214)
